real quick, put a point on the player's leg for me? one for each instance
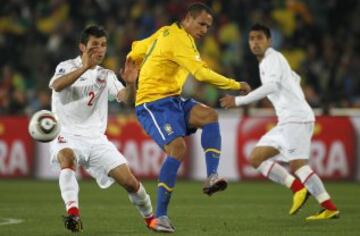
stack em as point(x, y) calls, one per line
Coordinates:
point(107, 165)
point(206, 118)
point(164, 121)
point(136, 191)
point(316, 187)
point(69, 189)
point(259, 159)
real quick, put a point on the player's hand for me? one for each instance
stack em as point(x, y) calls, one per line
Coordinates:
point(228, 101)
point(90, 58)
point(130, 72)
point(244, 88)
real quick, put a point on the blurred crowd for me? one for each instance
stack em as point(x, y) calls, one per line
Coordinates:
point(319, 38)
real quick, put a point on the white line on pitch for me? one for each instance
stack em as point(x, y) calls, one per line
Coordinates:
point(10, 221)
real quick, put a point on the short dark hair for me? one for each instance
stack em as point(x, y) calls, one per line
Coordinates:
point(92, 30)
point(261, 27)
point(196, 8)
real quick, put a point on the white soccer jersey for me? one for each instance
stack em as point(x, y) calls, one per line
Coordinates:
point(82, 108)
point(288, 99)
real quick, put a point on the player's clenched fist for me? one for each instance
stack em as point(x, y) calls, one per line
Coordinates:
point(244, 88)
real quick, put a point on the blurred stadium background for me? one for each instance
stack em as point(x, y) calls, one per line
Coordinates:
point(319, 38)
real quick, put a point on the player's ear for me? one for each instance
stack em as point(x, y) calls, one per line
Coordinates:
point(188, 17)
point(82, 47)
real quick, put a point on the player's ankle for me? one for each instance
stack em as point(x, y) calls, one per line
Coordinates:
point(74, 211)
point(148, 219)
point(296, 186)
point(329, 205)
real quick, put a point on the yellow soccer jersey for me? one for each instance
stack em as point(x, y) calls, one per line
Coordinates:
point(166, 58)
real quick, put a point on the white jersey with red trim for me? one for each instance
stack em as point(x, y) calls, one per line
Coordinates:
point(82, 108)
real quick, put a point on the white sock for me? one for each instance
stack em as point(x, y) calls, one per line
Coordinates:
point(69, 188)
point(142, 202)
point(275, 172)
point(313, 183)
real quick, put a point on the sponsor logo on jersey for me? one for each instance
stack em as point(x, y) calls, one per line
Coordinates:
point(61, 71)
point(292, 150)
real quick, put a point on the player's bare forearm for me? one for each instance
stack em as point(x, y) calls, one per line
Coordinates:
point(129, 74)
point(66, 80)
point(130, 92)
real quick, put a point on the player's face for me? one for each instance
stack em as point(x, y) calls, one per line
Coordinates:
point(258, 43)
point(99, 45)
point(198, 26)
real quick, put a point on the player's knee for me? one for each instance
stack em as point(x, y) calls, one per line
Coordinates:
point(176, 149)
point(297, 164)
point(66, 158)
point(255, 160)
point(211, 116)
point(124, 177)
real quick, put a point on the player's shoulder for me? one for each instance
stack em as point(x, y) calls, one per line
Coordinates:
point(67, 65)
point(271, 56)
point(74, 62)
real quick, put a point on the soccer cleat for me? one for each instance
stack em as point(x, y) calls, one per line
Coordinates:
point(214, 184)
point(73, 223)
point(162, 224)
point(299, 199)
point(324, 214)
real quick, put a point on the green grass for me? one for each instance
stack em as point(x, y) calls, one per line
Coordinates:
point(246, 208)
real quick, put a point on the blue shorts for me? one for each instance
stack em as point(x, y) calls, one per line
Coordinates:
point(166, 119)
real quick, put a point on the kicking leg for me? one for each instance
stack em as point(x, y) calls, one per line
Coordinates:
point(206, 118)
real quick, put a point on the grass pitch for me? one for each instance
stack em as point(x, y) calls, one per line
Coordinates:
point(245, 208)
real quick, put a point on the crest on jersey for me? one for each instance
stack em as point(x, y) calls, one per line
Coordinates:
point(168, 129)
point(61, 139)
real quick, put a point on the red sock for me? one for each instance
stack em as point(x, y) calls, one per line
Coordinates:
point(149, 219)
point(74, 211)
point(296, 186)
point(329, 205)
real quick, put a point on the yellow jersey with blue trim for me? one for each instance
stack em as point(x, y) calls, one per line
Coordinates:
point(166, 58)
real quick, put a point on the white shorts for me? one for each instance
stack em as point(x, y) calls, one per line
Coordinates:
point(293, 140)
point(97, 155)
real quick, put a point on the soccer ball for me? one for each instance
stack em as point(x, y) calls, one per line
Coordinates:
point(44, 126)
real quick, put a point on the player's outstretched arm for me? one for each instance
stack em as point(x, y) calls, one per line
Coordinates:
point(129, 74)
point(88, 61)
point(189, 59)
point(259, 93)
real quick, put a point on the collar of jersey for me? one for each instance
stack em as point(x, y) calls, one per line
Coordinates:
point(268, 51)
